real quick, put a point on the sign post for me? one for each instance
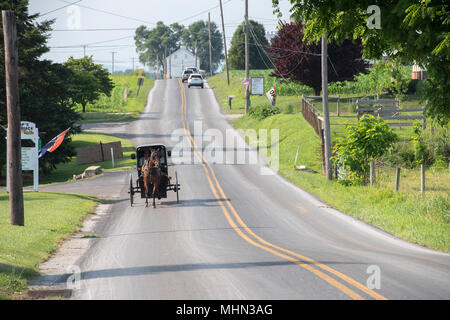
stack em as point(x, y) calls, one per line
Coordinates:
point(30, 155)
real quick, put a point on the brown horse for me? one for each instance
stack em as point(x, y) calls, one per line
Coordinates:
point(152, 175)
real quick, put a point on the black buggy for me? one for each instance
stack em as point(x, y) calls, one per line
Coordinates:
point(166, 180)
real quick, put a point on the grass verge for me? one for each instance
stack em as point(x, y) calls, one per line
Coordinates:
point(50, 218)
point(65, 171)
point(114, 108)
point(407, 214)
point(419, 218)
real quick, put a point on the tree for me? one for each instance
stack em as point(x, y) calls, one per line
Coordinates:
point(301, 62)
point(152, 45)
point(44, 87)
point(89, 80)
point(196, 37)
point(364, 142)
point(410, 30)
point(257, 46)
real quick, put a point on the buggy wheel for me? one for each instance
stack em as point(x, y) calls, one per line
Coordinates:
point(131, 192)
point(176, 187)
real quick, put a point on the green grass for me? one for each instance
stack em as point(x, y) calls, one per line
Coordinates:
point(65, 171)
point(422, 219)
point(114, 109)
point(49, 219)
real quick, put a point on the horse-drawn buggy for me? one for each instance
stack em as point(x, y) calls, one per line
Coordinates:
point(153, 180)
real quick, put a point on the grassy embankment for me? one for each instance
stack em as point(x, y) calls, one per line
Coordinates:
point(114, 108)
point(50, 218)
point(407, 214)
point(65, 171)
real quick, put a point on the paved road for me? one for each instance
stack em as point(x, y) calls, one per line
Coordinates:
point(239, 234)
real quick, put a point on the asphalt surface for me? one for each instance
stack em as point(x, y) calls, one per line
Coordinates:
point(237, 233)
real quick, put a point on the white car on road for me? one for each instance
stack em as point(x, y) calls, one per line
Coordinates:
point(195, 79)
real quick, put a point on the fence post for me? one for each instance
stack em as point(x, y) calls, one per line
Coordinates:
point(338, 109)
point(422, 178)
point(372, 173)
point(397, 179)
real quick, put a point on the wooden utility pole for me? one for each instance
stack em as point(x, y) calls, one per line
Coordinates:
point(224, 43)
point(247, 93)
point(210, 48)
point(13, 108)
point(326, 113)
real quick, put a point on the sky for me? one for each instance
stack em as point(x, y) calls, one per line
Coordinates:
point(78, 25)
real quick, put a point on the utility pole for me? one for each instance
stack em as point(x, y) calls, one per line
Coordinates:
point(224, 43)
point(113, 61)
point(14, 151)
point(247, 94)
point(326, 114)
point(195, 54)
point(210, 48)
point(165, 63)
point(84, 50)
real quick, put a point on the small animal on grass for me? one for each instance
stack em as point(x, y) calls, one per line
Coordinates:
point(78, 176)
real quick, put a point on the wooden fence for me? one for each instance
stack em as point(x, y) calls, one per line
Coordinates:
point(308, 112)
point(388, 109)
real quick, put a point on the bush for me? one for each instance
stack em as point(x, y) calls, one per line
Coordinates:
point(368, 140)
point(401, 155)
point(263, 111)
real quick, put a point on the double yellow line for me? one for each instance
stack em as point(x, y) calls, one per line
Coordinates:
point(249, 236)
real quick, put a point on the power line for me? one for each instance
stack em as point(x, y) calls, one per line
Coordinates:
point(90, 44)
point(68, 5)
point(99, 29)
point(200, 13)
point(111, 13)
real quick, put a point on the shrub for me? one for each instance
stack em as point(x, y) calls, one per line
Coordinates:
point(263, 111)
point(368, 140)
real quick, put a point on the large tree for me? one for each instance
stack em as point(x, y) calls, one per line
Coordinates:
point(196, 37)
point(44, 87)
point(89, 80)
point(152, 45)
point(301, 62)
point(410, 30)
point(257, 45)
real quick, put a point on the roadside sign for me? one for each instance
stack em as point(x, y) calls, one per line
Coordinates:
point(140, 82)
point(30, 155)
point(257, 86)
point(271, 95)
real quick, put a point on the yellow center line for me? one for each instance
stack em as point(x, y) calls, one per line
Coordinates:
point(310, 262)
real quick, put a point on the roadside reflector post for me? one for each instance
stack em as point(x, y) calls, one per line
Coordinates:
point(296, 157)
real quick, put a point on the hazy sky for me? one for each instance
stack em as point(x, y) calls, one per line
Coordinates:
point(72, 22)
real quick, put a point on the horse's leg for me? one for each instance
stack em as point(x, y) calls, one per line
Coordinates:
point(146, 192)
point(154, 194)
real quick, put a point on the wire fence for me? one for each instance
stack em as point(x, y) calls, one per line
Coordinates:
point(421, 179)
